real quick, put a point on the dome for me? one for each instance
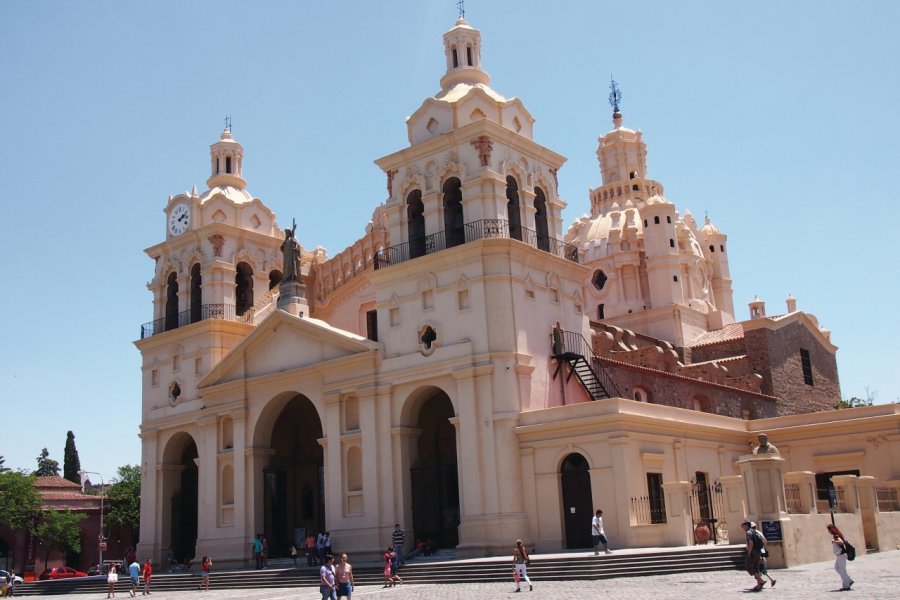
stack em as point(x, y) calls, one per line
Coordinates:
point(709, 229)
point(235, 195)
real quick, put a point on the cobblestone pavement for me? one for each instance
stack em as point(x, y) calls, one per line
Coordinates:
point(876, 576)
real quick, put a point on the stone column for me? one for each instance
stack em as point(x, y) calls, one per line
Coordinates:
point(151, 508)
point(868, 506)
point(255, 461)
point(679, 528)
point(207, 484)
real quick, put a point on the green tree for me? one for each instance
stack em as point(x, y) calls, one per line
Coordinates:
point(854, 402)
point(71, 463)
point(46, 465)
point(3, 468)
point(59, 530)
point(20, 502)
point(124, 499)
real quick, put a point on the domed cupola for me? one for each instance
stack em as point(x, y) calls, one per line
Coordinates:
point(227, 157)
point(462, 48)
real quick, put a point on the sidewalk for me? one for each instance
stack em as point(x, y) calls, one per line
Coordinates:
point(875, 575)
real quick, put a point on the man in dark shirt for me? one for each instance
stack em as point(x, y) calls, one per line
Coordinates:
point(399, 538)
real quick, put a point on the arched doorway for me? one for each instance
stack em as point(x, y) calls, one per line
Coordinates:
point(415, 215)
point(180, 485)
point(434, 475)
point(243, 280)
point(575, 481)
point(454, 222)
point(294, 481)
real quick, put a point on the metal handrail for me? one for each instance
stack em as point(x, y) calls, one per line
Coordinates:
point(224, 312)
point(573, 343)
point(476, 230)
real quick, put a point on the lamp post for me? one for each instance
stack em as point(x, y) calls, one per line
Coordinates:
point(101, 541)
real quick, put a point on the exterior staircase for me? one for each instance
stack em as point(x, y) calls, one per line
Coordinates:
point(582, 566)
point(571, 348)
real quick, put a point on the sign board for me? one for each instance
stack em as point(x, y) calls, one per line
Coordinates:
point(771, 530)
point(102, 546)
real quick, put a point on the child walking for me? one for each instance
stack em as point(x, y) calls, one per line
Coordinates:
point(520, 566)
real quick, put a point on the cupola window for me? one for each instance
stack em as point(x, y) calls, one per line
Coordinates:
point(415, 214)
point(228, 164)
point(454, 223)
point(512, 209)
point(196, 293)
point(656, 220)
point(455, 59)
point(243, 279)
point(671, 243)
point(540, 220)
point(469, 55)
point(172, 301)
point(712, 248)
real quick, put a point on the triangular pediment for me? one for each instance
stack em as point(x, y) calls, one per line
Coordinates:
point(283, 342)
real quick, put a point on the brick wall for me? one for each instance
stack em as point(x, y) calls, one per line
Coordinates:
point(672, 390)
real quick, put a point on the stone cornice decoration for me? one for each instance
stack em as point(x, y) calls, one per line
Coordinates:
point(484, 145)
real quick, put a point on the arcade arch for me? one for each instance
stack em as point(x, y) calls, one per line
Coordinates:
point(180, 496)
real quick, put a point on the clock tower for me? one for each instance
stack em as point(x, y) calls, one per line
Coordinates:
point(216, 274)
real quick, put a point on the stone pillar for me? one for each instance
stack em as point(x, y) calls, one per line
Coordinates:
point(806, 486)
point(763, 476)
point(868, 506)
point(679, 528)
point(735, 506)
point(292, 298)
point(255, 461)
point(207, 484)
point(151, 486)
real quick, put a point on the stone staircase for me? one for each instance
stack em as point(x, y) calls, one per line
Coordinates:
point(629, 563)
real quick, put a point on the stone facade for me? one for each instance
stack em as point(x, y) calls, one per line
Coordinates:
point(448, 375)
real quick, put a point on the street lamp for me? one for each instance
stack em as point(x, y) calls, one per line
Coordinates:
point(101, 542)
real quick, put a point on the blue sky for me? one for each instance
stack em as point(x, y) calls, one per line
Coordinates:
point(779, 119)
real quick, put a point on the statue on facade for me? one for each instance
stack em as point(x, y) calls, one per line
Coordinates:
point(290, 249)
point(765, 447)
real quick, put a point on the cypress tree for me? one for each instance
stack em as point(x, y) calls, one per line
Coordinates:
point(71, 464)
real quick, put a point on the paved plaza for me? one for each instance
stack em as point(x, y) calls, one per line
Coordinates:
point(876, 576)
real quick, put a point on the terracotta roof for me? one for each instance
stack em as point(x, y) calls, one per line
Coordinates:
point(732, 331)
point(55, 481)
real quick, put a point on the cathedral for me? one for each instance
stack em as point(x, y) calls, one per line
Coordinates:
point(473, 369)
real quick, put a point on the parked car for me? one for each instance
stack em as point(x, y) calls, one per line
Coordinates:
point(4, 575)
point(61, 573)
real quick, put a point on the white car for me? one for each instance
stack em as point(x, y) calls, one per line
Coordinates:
point(4, 575)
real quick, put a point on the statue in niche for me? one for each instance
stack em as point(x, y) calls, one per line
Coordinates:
point(765, 447)
point(290, 249)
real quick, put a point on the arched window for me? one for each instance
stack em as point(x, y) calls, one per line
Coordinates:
point(469, 55)
point(540, 220)
point(455, 59)
point(172, 301)
point(702, 404)
point(512, 209)
point(415, 224)
point(243, 279)
point(454, 225)
point(656, 220)
point(196, 293)
point(228, 164)
point(640, 394)
point(275, 278)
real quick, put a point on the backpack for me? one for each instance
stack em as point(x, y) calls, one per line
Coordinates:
point(757, 539)
point(849, 550)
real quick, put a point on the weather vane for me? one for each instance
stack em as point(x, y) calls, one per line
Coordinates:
point(615, 94)
point(461, 5)
point(227, 123)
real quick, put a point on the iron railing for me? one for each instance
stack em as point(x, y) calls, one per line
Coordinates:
point(476, 230)
point(573, 343)
point(645, 510)
point(223, 312)
point(792, 497)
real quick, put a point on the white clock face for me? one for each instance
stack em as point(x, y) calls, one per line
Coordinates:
point(179, 219)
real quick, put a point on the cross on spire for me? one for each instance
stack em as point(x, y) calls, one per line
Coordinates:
point(461, 5)
point(615, 94)
point(227, 123)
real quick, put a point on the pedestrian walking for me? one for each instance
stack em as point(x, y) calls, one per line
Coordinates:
point(328, 544)
point(344, 575)
point(205, 565)
point(320, 547)
point(294, 554)
point(520, 566)
point(326, 579)
point(112, 578)
point(148, 573)
point(265, 552)
point(755, 545)
point(598, 535)
point(399, 539)
point(311, 550)
point(134, 570)
point(763, 556)
point(841, 547)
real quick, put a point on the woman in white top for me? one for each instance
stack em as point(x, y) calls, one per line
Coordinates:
point(520, 566)
point(840, 553)
point(112, 577)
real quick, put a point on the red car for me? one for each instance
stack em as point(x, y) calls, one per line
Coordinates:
point(61, 573)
